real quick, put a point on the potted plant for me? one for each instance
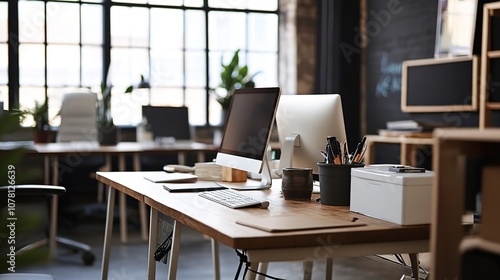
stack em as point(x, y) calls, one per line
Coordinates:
point(107, 131)
point(233, 76)
point(40, 115)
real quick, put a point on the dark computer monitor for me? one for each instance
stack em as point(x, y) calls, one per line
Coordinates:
point(168, 121)
point(247, 132)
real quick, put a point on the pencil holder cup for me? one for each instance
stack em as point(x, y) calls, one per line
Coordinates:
point(335, 183)
point(297, 183)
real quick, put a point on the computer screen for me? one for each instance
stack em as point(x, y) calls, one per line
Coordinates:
point(168, 121)
point(304, 122)
point(247, 131)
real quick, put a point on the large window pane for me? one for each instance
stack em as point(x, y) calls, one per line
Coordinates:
point(193, 3)
point(195, 30)
point(91, 65)
point(129, 26)
point(227, 30)
point(262, 32)
point(263, 5)
point(31, 21)
point(166, 2)
point(195, 69)
point(166, 68)
point(267, 66)
point(167, 97)
point(4, 97)
point(196, 101)
point(31, 65)
point(63, 25)
point(127, 66)
point(3, 22)
point(63, 65)
point(4, 75)
point(229, 4)
point(167, 28)
point(91, 24)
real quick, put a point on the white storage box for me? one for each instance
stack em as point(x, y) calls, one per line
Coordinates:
point(402, 198)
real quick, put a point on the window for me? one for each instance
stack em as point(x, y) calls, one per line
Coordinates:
point(4, 76)
point(176, 45)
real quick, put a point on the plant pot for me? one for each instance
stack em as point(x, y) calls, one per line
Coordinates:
point(41, 136)
point(108, 135)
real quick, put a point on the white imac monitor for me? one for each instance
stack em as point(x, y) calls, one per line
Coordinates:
point(304, 122)
point(247, 132)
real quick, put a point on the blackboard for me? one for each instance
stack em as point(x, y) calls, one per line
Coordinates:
point(440, 85)
point(396, 31)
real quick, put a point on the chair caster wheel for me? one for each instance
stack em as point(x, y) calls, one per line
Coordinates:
point(88, 258)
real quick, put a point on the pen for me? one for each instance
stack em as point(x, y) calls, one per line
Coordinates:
point(359, 148)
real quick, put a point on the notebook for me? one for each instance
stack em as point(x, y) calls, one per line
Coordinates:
point(164, 177)
point(193, 187)
point(291, 223)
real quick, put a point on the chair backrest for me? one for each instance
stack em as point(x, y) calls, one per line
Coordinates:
point(78, 117)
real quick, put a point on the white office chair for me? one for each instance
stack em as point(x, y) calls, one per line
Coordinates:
point(78, 117)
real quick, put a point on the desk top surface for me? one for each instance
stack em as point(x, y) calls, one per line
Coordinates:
point(219, 222)
point(93, 147)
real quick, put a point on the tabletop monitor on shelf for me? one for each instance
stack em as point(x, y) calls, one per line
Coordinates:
point(168, 121)
point(304, 122)
point(247, 132)
point(440, 85)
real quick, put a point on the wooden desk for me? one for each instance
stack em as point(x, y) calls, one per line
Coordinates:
point(408, 146)
point(218, 222)
point(75, 151)
point(451, 146)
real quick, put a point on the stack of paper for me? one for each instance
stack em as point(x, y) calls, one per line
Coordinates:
point(208, 171)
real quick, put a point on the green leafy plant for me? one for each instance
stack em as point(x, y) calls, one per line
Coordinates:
point(104, 118)
point(39, 113)
point(233, 76)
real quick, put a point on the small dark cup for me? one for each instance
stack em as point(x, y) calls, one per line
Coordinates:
point(297, 183)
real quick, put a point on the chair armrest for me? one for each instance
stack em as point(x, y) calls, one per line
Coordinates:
point(34, 189)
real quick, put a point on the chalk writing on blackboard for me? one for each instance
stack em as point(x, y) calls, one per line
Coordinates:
point(390, 77)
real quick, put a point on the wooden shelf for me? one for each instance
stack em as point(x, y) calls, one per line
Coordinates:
point(451, 148)
point(485, 107)
point(493, 105)
point(494, 54)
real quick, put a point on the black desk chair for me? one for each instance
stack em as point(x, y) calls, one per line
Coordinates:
point(30, 206)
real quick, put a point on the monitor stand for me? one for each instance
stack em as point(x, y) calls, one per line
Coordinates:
point(264, 183)
point(286, 158)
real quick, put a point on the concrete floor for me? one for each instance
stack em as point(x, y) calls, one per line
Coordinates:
point(129, 261)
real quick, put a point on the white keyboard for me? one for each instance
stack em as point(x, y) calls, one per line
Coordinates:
point(233, 199)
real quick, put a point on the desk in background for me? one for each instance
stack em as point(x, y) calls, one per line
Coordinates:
point(52, 151)
point(218, 222)
point(409, 145)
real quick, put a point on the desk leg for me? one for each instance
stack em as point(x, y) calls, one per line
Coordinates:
point(108, 233)
point(308, 266)
point(215, 258)
point(329, 269)
point(142, 206)
point(53, 212)
point(123, 204)
point(414, 265)
point(181, 158)
point(174, 253)
point(262, 269)
point(404, 154)
point(153, 236)
point(200, 157)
